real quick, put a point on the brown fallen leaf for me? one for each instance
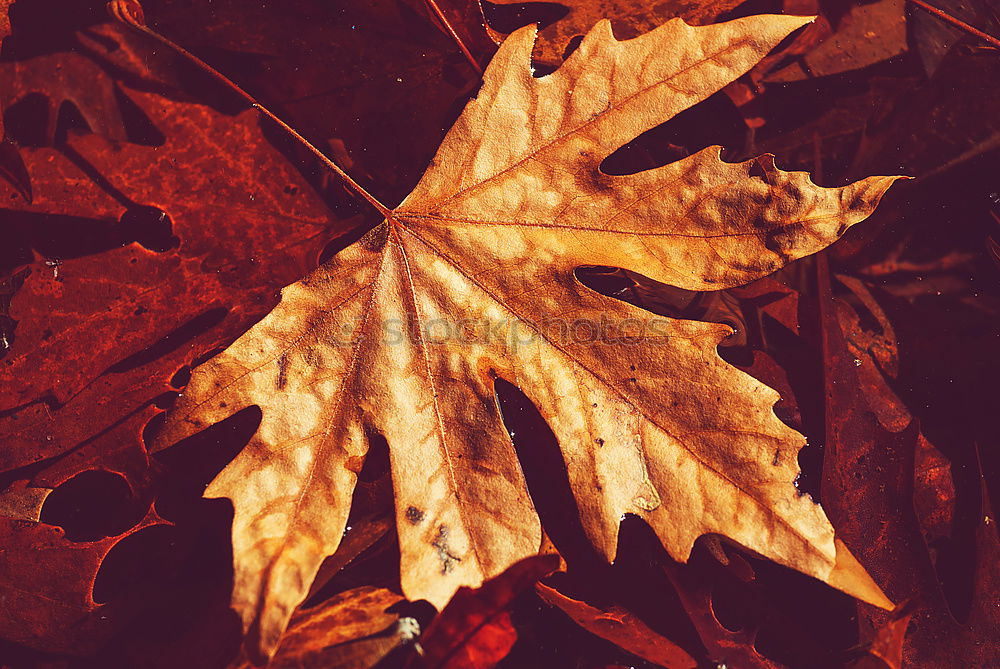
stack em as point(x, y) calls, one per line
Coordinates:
point(351, 630)
point(620, 627)
point(868, 33)
point(91, 303)
point(471, 279)
point(46, 586)
point(475, 630)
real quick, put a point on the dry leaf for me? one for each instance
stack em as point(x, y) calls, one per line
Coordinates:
point(620, 627)
point(471, 278)
point(351, 630)
point(475, 630)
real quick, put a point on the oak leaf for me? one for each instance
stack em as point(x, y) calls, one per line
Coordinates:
point(650, 420)
point(113, 229)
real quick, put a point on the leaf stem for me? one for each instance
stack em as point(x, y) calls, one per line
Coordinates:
point(130, 14)
point(454, 35)
point(961, 25)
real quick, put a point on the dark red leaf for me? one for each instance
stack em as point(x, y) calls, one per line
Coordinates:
point(474, 631)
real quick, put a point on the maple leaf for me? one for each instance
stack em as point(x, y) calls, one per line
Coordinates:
point(650, 422)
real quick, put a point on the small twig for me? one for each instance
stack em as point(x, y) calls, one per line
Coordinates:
point(454, 35)
point(961, 25)
point(130, 13)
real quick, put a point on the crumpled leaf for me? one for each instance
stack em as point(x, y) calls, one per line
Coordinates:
point(471, 278)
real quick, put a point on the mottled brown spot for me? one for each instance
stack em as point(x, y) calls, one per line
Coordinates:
point(282, 372)
point(414, 515)
point(448, 559)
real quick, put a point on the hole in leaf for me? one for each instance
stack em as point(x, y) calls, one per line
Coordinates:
point(149, 226)
point(545, 473)
point(92, 505)
point(785, 634)
point(172, 341)
point(26, 121)
point(508, 18)
point(729, 609)
point(140, 558)
point(712, 121)
point(181, 377)
point(55, 237)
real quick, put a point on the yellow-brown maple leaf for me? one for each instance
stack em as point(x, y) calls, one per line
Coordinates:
point(471, 278)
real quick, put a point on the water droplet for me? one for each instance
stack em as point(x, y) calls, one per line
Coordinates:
point(408, 629)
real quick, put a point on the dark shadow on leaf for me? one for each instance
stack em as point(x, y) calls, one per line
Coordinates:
point(93, 505)
point(171, 341)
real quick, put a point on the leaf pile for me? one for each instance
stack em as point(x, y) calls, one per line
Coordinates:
point(563, 340)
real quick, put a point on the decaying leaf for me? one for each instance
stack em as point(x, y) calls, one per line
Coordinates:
point(351, 630)
point(475, 630)
point(471, 279)
point(620, 627)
